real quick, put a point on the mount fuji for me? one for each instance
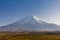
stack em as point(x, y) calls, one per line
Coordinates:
point(30, 23)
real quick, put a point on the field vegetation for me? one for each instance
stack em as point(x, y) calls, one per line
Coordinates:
point(28, 36)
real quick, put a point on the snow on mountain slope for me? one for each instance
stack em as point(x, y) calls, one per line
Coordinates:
point(30, 23)
point(31, 19)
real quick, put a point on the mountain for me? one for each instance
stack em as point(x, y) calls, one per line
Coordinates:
point(30, 23)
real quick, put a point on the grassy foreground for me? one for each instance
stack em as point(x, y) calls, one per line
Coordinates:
point(28, 36)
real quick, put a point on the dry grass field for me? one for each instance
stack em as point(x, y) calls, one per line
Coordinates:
point(28, 36)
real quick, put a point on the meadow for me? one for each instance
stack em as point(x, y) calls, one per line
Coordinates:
point(28, 36)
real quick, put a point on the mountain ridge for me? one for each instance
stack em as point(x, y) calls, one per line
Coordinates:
point(30, 23)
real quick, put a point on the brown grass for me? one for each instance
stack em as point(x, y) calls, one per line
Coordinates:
point(28, 36)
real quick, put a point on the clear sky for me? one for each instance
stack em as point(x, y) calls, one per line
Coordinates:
point(13, 10)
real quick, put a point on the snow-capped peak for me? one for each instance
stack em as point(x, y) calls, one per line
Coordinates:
point(31, 19)
point(36, 18)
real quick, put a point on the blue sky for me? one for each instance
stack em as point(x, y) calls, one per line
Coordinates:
point(13, 10)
